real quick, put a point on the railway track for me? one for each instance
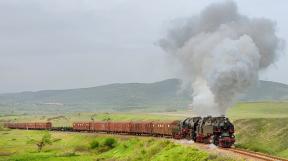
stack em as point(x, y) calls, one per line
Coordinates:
point(256, 155)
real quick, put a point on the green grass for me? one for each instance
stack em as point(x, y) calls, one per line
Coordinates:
point(239, 111)
point(260, 126)
point(15, 145)
point(259, 110)
point(264, 135)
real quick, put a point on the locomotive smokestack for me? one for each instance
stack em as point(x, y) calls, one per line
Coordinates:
point(221, 53)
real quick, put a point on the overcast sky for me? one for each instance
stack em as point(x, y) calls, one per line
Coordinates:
point(60, 44)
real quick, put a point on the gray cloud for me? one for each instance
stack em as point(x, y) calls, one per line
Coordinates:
point(68, 43)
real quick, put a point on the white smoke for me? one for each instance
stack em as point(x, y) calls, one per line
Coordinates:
point(221, 52)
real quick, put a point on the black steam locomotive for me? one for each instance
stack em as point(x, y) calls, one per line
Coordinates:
point(209, 130)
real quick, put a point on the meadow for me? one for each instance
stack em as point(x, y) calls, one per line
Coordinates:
point(16, 145)
point(263, 135)
point(249, 110)
point(260, 126)
point(252, 110)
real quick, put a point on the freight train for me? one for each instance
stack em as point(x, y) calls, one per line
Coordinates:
point(216, 130)
point(29, 125)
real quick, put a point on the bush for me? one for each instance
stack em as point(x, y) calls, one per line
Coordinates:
point(110, 142)
point(94, 144)
point(45, 140)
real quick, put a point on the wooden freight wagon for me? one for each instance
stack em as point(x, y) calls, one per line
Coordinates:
point(10, 125)
point(99, 126)
point(119, 127)
point(141, 127)
point(163, 128)
point(43, 125)
point(81, 126)
point(29, 125)
point(21, 126)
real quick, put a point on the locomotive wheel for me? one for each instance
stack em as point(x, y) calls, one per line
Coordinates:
point(188, 137)
point(211, 140)
point(207, 140)
point(215, 140)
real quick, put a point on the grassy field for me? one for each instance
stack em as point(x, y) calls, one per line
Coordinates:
point(259, 110)
point(16, 145)
point(264, 135)
point(239, 111)
point(260, 126)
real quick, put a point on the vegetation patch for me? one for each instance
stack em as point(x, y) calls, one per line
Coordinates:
point(251, 110)
point(267, 135)
point(94, 144)
point(87, 147)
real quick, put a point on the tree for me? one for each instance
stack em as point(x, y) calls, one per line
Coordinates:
point(46, 139)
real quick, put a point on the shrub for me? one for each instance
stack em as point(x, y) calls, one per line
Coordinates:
point(110, 142)
point(94, 144)
point(45, 140)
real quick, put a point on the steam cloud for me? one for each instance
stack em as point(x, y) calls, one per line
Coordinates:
point(221, 52)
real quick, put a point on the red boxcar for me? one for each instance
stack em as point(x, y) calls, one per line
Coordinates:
point(81, 126)
point(141, 127)
point(44, 125)
point(29, 125)
point(163, 128)
point(21, 125)
point(99, 126)
point(119, 127)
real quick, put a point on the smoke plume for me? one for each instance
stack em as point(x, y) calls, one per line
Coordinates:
point(221, 52)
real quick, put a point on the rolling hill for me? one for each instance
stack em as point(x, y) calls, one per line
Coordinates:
point(158, 96)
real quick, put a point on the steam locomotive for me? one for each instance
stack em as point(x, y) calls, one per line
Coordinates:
point(208, 130)
point(216, 130)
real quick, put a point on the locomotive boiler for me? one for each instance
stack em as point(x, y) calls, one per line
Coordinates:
point(209, 130)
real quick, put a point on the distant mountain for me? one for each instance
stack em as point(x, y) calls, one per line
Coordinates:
point(158, 96)
point(266, 91)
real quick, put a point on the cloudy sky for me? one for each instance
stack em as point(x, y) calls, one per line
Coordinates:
point(60, 44)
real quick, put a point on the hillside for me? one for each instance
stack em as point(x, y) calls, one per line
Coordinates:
point(267, 135)
point(266, 91)
point(158, 96)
